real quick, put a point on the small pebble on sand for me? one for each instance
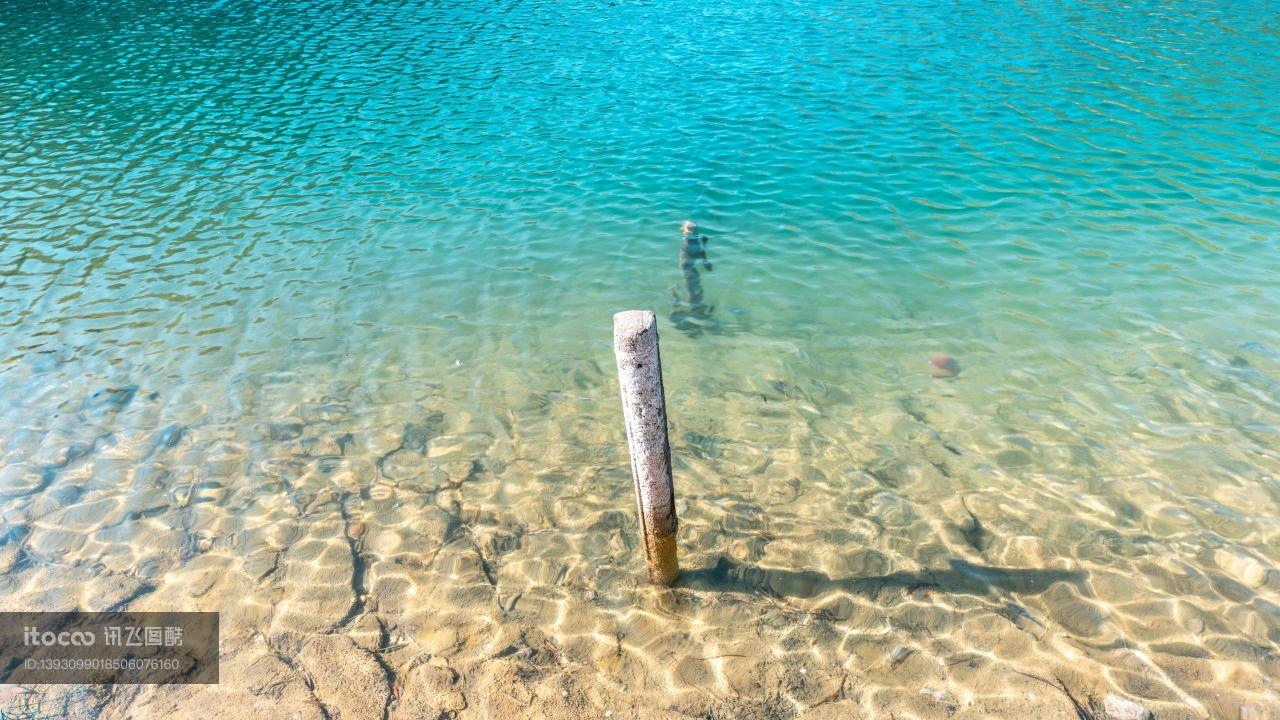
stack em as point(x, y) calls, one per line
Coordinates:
point(1121, 708)
point(356, 529)
point(898, 655)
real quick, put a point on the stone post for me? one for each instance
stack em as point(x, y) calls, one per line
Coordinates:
point(635, 345)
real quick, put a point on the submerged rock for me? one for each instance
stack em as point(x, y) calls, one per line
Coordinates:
point(170, 436)
point(944, 366)
point(356, 529)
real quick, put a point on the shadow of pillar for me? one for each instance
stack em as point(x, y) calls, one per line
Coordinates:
point(962, 577)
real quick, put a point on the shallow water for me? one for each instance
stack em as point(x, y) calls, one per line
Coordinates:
point(307, 312)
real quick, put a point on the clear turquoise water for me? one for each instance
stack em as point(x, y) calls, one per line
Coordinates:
point(257, 209)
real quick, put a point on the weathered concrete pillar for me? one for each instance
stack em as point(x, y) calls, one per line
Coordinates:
point(635, 345)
